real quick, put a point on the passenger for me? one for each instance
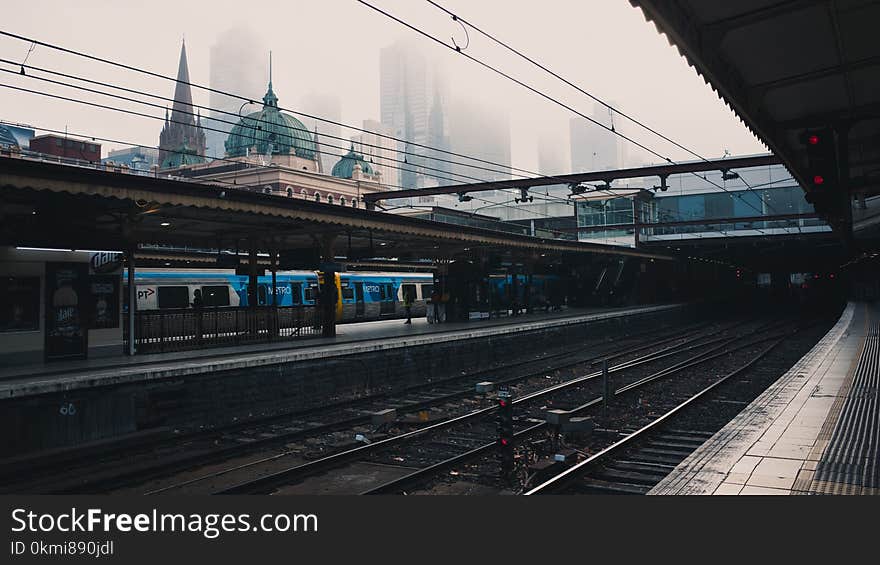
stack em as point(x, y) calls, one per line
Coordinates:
point(197, 305)
point(435, 306)
point(407, 304)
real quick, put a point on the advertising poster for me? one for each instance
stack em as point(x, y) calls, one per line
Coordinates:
point(104, 301)
point(66, 303)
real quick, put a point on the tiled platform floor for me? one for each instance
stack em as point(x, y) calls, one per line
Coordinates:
point(775, 445)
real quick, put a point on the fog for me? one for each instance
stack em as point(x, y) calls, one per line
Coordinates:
point(331, 47)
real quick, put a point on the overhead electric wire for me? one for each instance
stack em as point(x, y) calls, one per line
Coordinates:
point(420, 169)
point(167, 99)
point(531, 60)
point(611, 108)
point(318, 118)
point(248, 99)
point(281, 108)
point(534, 90)
point(208, 128)
point(256, 121)
point(196, 180)
point(141, 114)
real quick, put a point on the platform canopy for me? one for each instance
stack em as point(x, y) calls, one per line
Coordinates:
point(789, 67)
point(57, 206)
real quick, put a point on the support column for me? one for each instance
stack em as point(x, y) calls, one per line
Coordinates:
point(328, 292)
point(132, 301)
point(273, 258)
point(845, 199)
point(637, 220)
point(253, 295)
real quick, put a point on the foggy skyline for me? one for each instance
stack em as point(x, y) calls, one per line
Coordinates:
point(605, 47)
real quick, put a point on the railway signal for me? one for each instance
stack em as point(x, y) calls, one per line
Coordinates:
point(505, 432)
point(822, 168)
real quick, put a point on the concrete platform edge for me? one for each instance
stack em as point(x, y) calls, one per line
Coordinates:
point(711, 468)
point(122, 375)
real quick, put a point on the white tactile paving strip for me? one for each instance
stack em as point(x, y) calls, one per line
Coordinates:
point(776, 440)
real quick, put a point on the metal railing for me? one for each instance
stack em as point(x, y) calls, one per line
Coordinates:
point(158, 331)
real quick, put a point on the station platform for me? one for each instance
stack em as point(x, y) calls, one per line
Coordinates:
point(48, 378)
point(816, 430)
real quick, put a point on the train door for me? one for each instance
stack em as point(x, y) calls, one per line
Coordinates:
point(359, 299)
point(387, 297)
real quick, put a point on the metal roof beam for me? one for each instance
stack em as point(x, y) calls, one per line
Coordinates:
point(605, 176)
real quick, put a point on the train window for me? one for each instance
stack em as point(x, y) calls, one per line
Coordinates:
point(295, 293)
point(19, 303)
point(311, 292)
point(427, 289)
point(347, 293)
point(409, 289)
point(173, 297)
point(389, 291)
point(216, 295)
point(262, 295)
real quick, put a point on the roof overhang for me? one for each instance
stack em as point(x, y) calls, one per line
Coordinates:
point(48, 205)
point(785, 67)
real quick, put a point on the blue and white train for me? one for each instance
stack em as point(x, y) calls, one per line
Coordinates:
point(360, 296)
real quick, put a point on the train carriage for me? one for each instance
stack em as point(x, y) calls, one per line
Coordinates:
point(360, 296)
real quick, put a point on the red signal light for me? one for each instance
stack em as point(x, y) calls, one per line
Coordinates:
point(818, 179)
point(813, 139)
point(504, 441)
point(502, 403)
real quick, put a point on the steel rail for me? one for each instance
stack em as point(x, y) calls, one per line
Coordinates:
point(286, 476)
point(571, 474)
point(420, 475)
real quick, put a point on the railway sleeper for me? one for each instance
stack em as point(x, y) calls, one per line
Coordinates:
point(593, 486)
point(629, 477)
point(690, 446)
point(698, 440)
point(636, 465)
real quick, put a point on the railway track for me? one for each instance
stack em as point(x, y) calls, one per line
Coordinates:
point(643, 457)
point(120, 466)
point(473, 429)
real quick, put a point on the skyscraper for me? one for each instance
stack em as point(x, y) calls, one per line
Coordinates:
point(182, 140)
point(593, 148)
point(482, 132)
point(405, 97)
point(552, 157)
point(327, 106)
point(380, 150)
point(235, 68)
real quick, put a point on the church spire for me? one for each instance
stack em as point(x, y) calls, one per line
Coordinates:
point(181, 111)
point(182, 131)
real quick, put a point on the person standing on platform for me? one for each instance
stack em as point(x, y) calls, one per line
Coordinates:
point(407, 305)
point(435, 305)
point(197, 304)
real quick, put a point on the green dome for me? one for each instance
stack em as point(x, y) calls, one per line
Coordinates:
point(344, 169)
point(272, 127)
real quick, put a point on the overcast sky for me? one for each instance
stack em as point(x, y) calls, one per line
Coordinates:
point(332, 46)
